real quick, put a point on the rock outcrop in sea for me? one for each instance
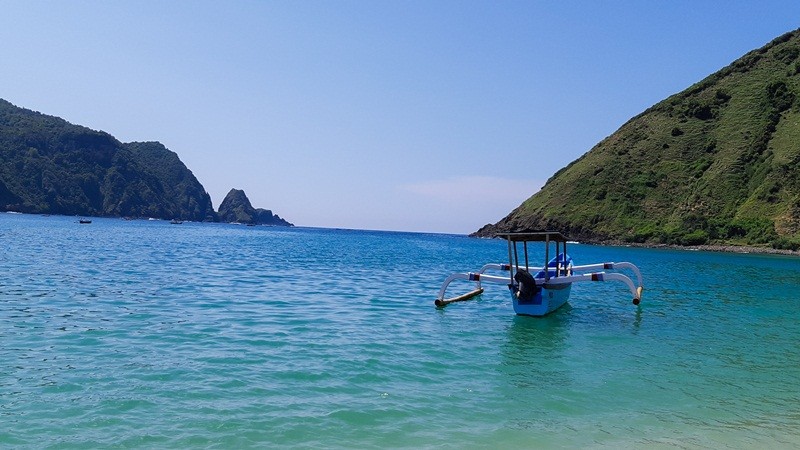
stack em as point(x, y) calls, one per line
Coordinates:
point(236, 207)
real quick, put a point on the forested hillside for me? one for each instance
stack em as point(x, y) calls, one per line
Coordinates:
point(52, 166)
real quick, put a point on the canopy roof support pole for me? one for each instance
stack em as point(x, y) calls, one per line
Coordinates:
point(510, 261)
point(516, 257)
point(546, 257)
point(525, 246)
point(558, 261)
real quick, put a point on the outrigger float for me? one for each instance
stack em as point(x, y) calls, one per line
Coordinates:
point(537, 291)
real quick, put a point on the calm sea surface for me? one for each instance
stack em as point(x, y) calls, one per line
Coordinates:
point(146, 334)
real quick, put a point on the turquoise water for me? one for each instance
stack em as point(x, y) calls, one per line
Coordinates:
point(146, 334)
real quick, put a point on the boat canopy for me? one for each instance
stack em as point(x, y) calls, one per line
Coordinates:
point(535, 236)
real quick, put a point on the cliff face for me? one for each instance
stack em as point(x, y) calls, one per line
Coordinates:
point(716, 163)
point(236, 207)
point(182, 192)
point(52, 166)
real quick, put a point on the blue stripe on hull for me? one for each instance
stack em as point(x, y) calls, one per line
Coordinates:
point(546, 301)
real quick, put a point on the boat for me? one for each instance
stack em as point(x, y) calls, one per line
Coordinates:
point(540, 290)
point(176, 222)
point(84, 221)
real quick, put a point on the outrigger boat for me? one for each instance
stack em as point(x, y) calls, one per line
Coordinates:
point(537, 291)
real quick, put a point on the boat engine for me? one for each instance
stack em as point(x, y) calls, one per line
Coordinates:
point(527, 286)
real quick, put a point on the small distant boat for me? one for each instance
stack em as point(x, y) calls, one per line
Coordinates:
point(537, 291)
point(176, 222)
point(84, 221)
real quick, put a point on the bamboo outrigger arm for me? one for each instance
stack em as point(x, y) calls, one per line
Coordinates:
point(583, 268)
point(471, 276)
point(614, 266)
point(636, 292)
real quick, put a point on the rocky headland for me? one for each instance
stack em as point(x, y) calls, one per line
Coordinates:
point(51, 166)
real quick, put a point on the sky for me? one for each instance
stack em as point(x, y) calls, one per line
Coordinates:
point(429, 116)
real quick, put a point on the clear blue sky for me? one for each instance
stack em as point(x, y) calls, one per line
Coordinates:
point(428, 115)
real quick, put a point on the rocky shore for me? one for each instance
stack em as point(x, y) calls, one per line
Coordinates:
point(706, 248)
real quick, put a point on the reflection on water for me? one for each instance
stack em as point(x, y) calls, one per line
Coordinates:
point(533, 349)
point(546, 333)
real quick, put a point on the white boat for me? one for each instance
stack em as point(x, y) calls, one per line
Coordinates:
point(537, 291)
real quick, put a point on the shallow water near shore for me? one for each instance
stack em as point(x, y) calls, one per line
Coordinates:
point(142, 334)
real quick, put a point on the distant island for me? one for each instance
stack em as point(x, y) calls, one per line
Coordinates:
point(50, 166)
point(716, 164)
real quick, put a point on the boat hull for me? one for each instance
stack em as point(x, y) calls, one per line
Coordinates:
point(549, 298)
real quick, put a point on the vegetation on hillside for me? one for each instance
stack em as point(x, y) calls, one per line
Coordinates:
point(716, 163)
point(52, 166)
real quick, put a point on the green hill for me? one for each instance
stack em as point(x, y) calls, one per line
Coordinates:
point(52, 166)
point(716, 163)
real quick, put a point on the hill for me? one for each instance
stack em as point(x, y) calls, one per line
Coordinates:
point(718, 163)
point(52, 166)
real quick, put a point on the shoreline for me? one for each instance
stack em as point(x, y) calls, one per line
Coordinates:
point(488, 231)
point(719, 248)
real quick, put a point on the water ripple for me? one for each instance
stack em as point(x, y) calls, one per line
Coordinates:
point(141, 334)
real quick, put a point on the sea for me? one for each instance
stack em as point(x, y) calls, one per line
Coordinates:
point(146, 334)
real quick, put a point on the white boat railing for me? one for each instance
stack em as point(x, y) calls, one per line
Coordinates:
point(566, 275)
